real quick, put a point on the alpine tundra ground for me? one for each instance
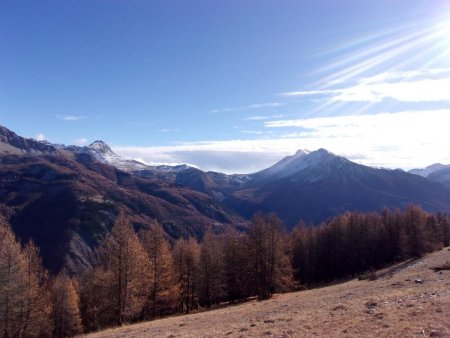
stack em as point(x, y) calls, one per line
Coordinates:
point(407, 300)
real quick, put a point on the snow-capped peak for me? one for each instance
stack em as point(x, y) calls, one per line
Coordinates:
point(285, 162)
point(101, 147)
point(428, 170)
point(302, 159)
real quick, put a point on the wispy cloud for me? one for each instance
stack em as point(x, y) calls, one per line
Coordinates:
point(40, 137)
point(263, 117)
point(71, 117)
point(413, 86)
point(80, 141)
point(254, 132)
point(405, 139)
point(249, 107)
point(167, 130)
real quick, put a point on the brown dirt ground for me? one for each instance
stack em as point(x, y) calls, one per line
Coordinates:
point(392, 306)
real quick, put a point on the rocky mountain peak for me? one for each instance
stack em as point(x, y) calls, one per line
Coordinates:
point(12, 143)
point(100, 146)
point(292, 165)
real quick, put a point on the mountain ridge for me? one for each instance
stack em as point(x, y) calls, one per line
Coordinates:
point(66, 197)
point(326, 184)
point(67, 201)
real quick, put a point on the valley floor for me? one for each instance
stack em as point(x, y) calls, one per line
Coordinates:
point(395, 305)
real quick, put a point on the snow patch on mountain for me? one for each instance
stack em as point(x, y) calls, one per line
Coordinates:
point(293, 165)
point(425, 172)
point(103, 153)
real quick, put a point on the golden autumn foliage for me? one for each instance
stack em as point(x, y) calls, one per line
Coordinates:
point(24, 301)
point(66, 312)
point(126, 266)
point(161, 283)
point(143, 276)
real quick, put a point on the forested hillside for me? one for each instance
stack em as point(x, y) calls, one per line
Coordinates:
point(141, 276)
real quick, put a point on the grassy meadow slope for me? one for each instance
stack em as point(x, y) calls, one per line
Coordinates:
point(394, 305)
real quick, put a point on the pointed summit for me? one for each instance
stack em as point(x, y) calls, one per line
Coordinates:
point(101, 147)
point(103, 152)
point(292, 165)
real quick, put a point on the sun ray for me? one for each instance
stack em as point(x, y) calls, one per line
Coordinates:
point(419, 46)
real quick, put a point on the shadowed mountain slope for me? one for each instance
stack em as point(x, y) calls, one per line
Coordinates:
point(67, 202)
point(318, 185)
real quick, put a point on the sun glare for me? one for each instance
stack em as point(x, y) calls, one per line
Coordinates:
point(444, 30)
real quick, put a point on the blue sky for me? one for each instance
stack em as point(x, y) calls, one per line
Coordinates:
point(231, 85)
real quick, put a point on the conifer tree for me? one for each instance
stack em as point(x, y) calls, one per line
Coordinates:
point(12, 282)
point(96, 299)
point(127, 265)
point(25, 304)
point(186, 260)
point(269, 266)
point(414, 233)
point(36, 307)
point(211, 286)
point(234, 265)
point(66, 312)
point(161, 281)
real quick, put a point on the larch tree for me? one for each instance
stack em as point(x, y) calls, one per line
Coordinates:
point(234, 265)
point(127, 265)
point(96, 300)
point(414, 241)
point(186, 260)
point(25, 305)
point(66, 311)
point(36, 307)
point(12, 282)
point(161, 280)
point(269, 265)
point(211, 286)
point(444, 225)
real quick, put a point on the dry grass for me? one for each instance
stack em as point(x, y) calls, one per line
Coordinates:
point(394, 305)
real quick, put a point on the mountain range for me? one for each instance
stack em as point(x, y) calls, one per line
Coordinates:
point(66, 198)
point(436, 172)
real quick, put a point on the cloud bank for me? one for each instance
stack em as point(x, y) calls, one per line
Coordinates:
point(406, 140)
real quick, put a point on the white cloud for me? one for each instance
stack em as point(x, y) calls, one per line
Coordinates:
point(40, 137)
point(80, 141)
point(411, 86)
point(167, 130)
point(395, 140)
point(71, 117)
point(261, 117)
point(255, 132)
point(249, 107)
